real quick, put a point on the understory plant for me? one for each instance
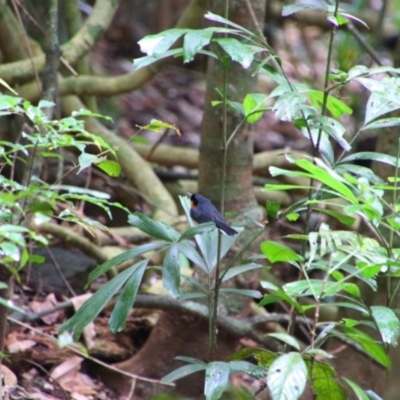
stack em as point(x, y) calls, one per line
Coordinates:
point(333, 264)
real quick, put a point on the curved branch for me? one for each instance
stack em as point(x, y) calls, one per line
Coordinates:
point(72, 51)
point(114, 85)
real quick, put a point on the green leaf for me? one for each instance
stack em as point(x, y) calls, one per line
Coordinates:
point(157, 126)
point(121, 258)
point(243, 292)
point(86, 160)
point(156, 45)
point(171, 273)
point(344, 219)
point(182, 372)
point(372, 156)
point(192, 254)
point(287, 377)
point(217, 379)
point(254, 106)
point(231, 272)
point(217, 18)
point(197, 230)
point(276, 252)
point(361, 395)
point(382, 123)
point(313, 287)
point(324, 384)
point(374, 349)
point(333, 128)
point(272, 207)
point(294, 8)
point(110, 167)
point(152, 228)
point(92, 307)
point(330, 179)
point(388, 324)
point(336, 106)
point(285, 338)
point(142, 62)
point(278, 295)
point(10, 250)
point(248, 368)
point(237, 51)
point(194, 41)
point(127, 297)
point(42, 207)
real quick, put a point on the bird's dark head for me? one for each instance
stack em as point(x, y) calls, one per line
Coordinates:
point(194, 199)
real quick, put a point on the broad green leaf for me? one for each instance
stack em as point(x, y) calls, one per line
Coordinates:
point(110, 167)
point(330, 179)
point(358, 170)
point(285, 338)
point(388, 324)
point(264, 357)
point(6, 85)
point(237, 51)
point(324, 384)
point(156, 45)
point(276, 252)
point(157, 126)
point(277, 295)
point(191, 360)
point(272, 207)
point(171, 273)
point(336, 106)
point(192, 295)
point(333, 128)
point(127, 297)
point(217, 379)
point(369, 155)
point(374, 349)
point(344, 219)
point(10, 250)
point(197, 230)
point(247, 368)
point(294, 8)
point(86, 160)
point(254, 106)
point(92, 307)
point(182, 372)
point(192, 254)
point(127, 255)
point(313, 287)
point(152, 228)
point(243, 292)
point(142, 62)
point(217, 18)
point(382, 123)
point(193, 41)
point(361, 395)
point(231, 272)
point(287, 377)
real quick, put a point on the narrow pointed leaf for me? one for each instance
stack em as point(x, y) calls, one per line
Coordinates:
point(92, 307)
point(127, 255)
point(182, 372)
point(158, 230)
point(171, 273)
point(127, 297)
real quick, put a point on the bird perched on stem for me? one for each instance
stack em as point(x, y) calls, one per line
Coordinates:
point(202, 210)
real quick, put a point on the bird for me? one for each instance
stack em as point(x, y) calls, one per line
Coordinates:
point(202, 210)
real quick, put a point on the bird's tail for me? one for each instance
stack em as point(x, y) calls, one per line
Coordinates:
point(225, 228)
